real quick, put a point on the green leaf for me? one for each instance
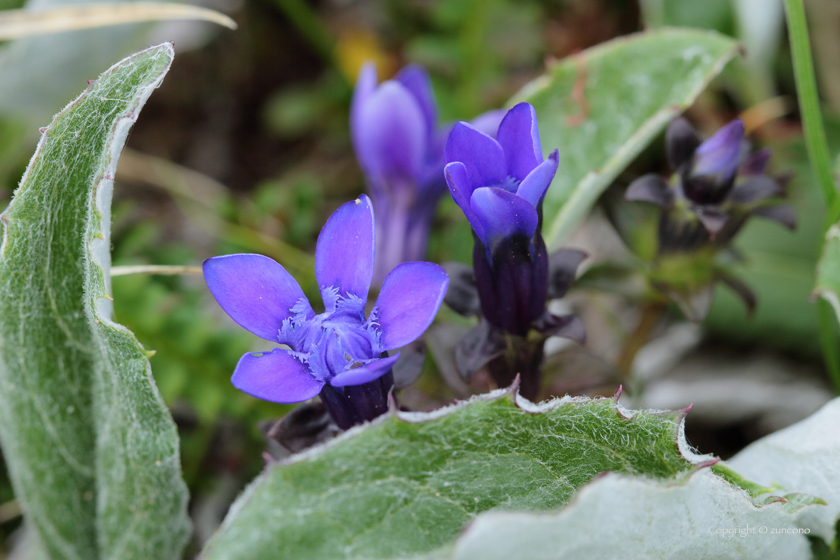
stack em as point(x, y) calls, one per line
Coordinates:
point(600, 108)
point(804, 457)
point(408, 483)
point(828, 269)
point(91, 449)
point(620, 516)
point(655, 519)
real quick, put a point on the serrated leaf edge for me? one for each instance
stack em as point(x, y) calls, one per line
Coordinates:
point(681, 443)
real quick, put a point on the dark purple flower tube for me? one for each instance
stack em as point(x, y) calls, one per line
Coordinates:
point(338, 354)
point(500, 184)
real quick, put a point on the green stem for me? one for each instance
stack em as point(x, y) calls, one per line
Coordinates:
point(809, 104)
point(651, 315)
point(809, 107)
point(828, 340)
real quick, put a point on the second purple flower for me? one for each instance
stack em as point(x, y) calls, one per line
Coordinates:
point(400, 149)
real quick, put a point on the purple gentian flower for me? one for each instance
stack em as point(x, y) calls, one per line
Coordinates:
point(400, 149)
point(500, 184)
point(338, 354)
point(716, 186)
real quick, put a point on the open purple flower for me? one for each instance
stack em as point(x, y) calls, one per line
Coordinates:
point(338, 354)
point(500, 184)
point(400, 149)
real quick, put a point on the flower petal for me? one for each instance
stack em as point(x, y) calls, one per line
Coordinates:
point(366, 373)
point(489, 122)
point(533, 187)
point(255, 291)
point(567, 326)
point(712, 218)
point(480, 345)
point(754, 189)
point(462, 294)
point(459, 185)
point(651, 188)
point(785, 215)
point(481, 155)
point(562, 270)
point(345, 249)
point(275, 376)
point(365, 85)
point(410, 298)
point(503, 215)
point(390, 134)
point(416, 80)
point(756, 163)
point(680, 142)
point(520, 139)
point(719, 154)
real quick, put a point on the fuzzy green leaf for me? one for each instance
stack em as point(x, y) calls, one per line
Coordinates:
point(804, 457)
point(407, 484)
point(715, 513)
point(617, 516)
point(92, 450)
point(603, 106)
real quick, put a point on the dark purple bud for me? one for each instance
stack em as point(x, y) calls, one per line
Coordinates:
point(784, 215)
point(462, 294)
point(482, 344)
point(681, 141)
point(562, 270)
point(651, 188)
